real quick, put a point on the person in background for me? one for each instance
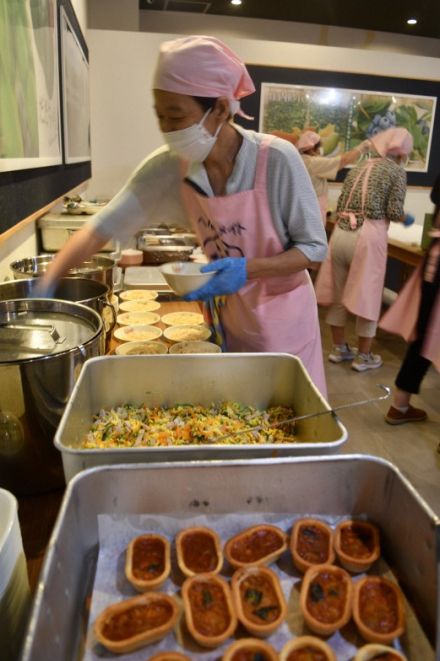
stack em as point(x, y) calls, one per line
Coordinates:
point(323, 168)
point(415, 315)
point(352, 277)
point(246, 195)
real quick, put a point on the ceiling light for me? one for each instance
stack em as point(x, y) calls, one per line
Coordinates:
point(235, 2)
point(412, 21)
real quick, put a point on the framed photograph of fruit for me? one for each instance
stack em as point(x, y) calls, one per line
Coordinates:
point(375, 112)
point(345, 109)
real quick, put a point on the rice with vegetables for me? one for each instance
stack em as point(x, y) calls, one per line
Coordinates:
point(185, 424)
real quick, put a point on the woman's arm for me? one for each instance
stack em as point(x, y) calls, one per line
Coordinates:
point(290, 261)
point(79, 248)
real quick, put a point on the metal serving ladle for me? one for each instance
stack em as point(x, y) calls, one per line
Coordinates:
point(387, 390)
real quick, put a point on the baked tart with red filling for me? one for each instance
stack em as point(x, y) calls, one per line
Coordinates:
point(209, 611)
point(133, 623)
point(258, 545)
point(148, 564)
point(311, 543)
point(169, 656)
point(357, 545)
point(377, 652)
point(378, 609)
point(326, 598)
point(307, 648)
point(199, 551)
point(258, 599)
point(250, 649)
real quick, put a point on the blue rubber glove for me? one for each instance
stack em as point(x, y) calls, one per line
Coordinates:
point(408, 220)
point(230, 276)
point(43, 290)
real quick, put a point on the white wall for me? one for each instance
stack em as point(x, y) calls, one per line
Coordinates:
point(124, 127)
point(113, 14)
point(227, 27)
point(80, 9)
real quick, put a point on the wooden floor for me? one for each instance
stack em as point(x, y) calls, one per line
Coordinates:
point(411, 447)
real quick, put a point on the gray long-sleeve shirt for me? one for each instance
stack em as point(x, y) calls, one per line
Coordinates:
point(152, 195)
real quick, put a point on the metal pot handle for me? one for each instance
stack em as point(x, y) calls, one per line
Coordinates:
point(113, 312)
point(117, 278)
point(56, 337)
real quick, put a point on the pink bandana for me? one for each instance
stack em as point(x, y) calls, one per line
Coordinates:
point(307, 140)
point(202, 66)
point(393, 142)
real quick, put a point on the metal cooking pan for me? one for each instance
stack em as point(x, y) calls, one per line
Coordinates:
point(94, 294)
point(96, 268)
point(43, 346)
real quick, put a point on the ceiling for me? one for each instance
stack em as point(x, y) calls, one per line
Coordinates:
point(382, 15)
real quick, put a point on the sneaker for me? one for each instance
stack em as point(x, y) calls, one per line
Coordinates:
point(364, 362)
point(341, 352)
point(396, 417)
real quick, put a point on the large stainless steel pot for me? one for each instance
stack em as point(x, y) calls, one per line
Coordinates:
point(94, 294)
point(43, 346)
point(97, 268)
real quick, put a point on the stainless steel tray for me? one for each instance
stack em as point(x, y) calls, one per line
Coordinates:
point(325, 486)
point(259, 379)
point(55, 229)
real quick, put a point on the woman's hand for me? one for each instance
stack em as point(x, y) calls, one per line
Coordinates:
point(44, 288)
point(408, 219)
point(230, 276)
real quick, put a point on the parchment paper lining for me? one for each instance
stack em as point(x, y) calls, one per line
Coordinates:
point(110, 586)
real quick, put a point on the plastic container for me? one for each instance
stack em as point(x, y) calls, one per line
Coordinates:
point(15, 596)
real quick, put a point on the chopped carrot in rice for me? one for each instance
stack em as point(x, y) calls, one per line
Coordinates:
point(186, 424)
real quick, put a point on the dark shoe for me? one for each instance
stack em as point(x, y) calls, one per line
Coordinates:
point(396, 417)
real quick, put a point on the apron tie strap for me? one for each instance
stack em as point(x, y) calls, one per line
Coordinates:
point(351, 217)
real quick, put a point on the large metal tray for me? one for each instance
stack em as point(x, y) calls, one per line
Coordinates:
point(56, 228)
point(258, 379)
point(325, 486)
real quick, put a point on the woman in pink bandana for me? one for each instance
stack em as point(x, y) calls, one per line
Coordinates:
point(324, 168)
point(246, 195)
point(351, 279)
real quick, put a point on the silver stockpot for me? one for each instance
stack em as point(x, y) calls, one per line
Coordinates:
point(94, 294)
point(98, 268)
point(43, 346)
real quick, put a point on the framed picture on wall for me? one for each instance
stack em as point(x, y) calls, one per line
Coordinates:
point(345, 117)
point(30, 127)
point(75, 93)
point(345, 108)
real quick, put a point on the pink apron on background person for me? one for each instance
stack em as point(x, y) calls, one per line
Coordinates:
point(323, 205)
point(278, 314)
point(401, 317)
point(362, 295)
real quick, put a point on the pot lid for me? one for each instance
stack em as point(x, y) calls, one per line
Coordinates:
point(39, 328)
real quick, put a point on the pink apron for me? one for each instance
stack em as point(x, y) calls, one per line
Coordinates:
point(276, 314)
point(323, 205)
point(363, 290)
point(401, 318)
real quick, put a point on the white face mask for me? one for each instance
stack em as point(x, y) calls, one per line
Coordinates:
point(193, 143)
